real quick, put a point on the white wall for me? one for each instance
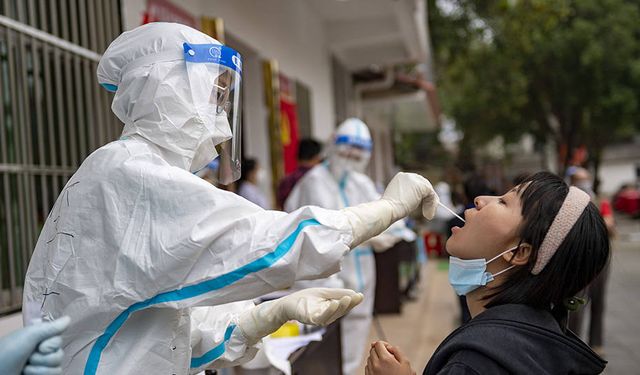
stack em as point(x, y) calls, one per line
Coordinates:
point(288, 31)
point(285, 30)
point(381, 167)
point(132, 12)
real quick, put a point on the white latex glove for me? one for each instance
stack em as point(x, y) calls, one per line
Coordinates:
point(405, 193)
point(317, 306)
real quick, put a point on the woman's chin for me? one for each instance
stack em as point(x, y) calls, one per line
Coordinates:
point(450, 246)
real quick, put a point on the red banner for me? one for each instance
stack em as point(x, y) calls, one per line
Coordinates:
point(288, 124)
point(165, 11)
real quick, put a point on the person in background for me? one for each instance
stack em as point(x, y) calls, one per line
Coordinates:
point(252, 176)
point(337, 183)
point(596, 291)
point(309, 155)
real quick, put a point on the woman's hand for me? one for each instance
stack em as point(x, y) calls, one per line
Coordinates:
point(385, 359)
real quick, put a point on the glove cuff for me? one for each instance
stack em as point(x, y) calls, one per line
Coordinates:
point(367, 220)
point(260, 321)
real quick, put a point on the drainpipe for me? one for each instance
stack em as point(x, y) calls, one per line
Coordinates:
point(361, 88)
point(430, 91)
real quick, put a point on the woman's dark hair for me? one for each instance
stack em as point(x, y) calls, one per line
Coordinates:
point(247, 166)
point(579, 258)
point(308, 149)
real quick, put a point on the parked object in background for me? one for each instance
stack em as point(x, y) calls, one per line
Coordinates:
point(627, 200)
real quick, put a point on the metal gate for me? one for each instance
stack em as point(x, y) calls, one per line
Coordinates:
point(52, 115)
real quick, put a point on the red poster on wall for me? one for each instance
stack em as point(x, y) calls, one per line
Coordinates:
point(166, 11)
point(288, 124)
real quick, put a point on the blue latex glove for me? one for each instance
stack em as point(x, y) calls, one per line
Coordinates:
point(39, 347)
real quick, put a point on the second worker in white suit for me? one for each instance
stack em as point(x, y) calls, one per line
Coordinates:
point(337, 183)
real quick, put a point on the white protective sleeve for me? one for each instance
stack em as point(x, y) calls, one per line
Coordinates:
point(213, 247)
point(216, 340)
point(150, 235)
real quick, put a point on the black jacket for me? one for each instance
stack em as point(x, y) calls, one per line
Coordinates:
point(513, 339)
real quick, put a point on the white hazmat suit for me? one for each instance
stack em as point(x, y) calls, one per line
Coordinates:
point(336, 184)
point(135, 241)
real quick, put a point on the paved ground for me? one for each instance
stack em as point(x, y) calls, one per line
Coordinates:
point(622, 319)
point(424, 323)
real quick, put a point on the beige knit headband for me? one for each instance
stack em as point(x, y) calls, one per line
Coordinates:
point(572, 207)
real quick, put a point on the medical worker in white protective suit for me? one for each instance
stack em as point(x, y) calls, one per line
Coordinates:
point(337, 183)
point(137, 248)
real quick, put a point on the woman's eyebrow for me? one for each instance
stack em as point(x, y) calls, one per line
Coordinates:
point(507, 194)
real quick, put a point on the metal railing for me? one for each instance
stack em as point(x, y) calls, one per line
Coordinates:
point(52, 115)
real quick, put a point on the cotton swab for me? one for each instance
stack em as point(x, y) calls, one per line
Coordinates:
point(450, 210)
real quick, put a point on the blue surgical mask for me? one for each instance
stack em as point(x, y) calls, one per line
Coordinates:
point(467, 275)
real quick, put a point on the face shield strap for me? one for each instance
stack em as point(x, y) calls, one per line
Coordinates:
point(213, 54)
point(353, 141)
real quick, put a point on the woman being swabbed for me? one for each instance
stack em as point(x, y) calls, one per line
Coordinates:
point(519, 260)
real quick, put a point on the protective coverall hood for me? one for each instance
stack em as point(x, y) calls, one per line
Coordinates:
point(146, 69)
point(351, 148)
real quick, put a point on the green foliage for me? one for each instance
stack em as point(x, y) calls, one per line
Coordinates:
point(569, 70)
point(418, 150)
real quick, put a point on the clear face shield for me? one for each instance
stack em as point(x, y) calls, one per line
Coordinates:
point(215, 76)
point(349, 157)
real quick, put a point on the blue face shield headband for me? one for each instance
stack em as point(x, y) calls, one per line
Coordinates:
point(354, 141)
point(467, 275)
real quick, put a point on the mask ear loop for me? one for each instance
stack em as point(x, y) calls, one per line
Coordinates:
point(498, 256)
point(504, 270)
point(502, 253)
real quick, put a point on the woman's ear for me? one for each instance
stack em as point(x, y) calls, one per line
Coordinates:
point(521, 256)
